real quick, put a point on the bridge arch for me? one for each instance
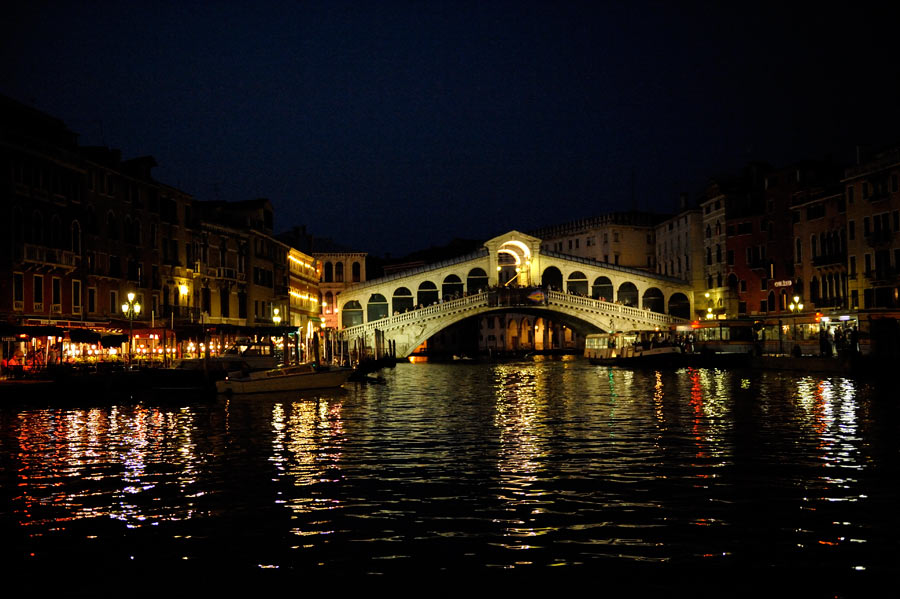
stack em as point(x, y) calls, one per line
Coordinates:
point(602, 288)
point(377, 307)
point(654, 299)
point(451, 287)
point(552, 278)
point(351, 314)
point(679, 306)
point(577, 283)
point(402, 300)
point(427, 293)
point(476, 280)
point(627, 294)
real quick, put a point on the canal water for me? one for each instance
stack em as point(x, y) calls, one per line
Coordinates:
point(639, 476)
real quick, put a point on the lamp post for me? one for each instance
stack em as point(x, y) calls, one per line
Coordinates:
point(131, 309)
point(795, 307)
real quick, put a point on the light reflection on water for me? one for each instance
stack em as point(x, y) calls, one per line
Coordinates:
point(459, 466)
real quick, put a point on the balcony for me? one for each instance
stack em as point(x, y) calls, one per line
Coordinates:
point(830, 259)
point(51, 257)
point(226, 273)
point(882, 276)
point(879, 238)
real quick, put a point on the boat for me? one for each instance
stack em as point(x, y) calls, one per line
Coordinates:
point(258, 355)
point(288, 378)
point(636, 348)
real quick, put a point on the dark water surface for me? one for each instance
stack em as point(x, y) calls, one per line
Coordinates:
point(472, 469)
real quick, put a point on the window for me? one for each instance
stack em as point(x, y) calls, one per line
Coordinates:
point(616, 237)
point(729, 257)
point(56, 294)
point(92, 300)
point(743, 286)
point(38, 293)
point(19, 291)
point(339, 272)
point(718, 253)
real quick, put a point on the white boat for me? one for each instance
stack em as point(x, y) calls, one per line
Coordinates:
point(288, 378)
point(257, 354)
point(648, 348)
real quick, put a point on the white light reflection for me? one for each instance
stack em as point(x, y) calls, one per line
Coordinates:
point(133, 457)
point(307, 451)
point(520, 419)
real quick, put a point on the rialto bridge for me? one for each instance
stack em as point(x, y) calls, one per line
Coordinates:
point(509, 274)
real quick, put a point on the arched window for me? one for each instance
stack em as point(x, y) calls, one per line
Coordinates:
point(476, 280)
point(37, 228)
point(452, 287)
point(339, 272)
point(55, 232)
point(76, 237)
point(329, 272)
point(402, 300)
point(427, 293)
point(329, 302)
point(718, 253)
point(112, 231)
point(377, 308)
point(355, 272)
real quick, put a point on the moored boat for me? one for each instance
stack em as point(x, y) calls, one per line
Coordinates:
point(632, 349)
point(289, 378)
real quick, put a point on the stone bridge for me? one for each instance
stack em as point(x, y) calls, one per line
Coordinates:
point(510, 274)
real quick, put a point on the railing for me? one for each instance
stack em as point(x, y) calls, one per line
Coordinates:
point(830, 259)
point(514, 297)
point(51, 256)
point(879, 237)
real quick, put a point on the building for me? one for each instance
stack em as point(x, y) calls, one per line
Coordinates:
point(677, 252)
point(873, 221)
point(622, 238)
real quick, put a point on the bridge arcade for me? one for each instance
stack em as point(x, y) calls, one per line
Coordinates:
point(587, 295)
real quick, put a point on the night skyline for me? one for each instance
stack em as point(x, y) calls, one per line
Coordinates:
point(465, 120)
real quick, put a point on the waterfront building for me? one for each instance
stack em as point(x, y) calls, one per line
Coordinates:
point(619, 238)
point(712, 296)
point(340, 269)
point(820, 248)
point(873, 221)
point(85, 229)
point(677, 252)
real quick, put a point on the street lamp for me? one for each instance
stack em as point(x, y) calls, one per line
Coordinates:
point(276, 318)
point(131, 309)
point(795, 307)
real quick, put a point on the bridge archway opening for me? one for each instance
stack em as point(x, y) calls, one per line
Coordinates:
point(351, 314)
point(476, 280)
point(654, 300)
point(552, 278)
point(577, 283)
point(377, 307)
point(402, 300)
point(540, 334)
point(452, 287)
point(628, 295)
point(679, 306)
point(514, 263)
point(427, 294)
point(602, 289)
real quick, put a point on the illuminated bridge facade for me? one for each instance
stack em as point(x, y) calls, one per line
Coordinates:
point(509, 274)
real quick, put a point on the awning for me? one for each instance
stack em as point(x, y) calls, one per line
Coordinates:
point(84, 336)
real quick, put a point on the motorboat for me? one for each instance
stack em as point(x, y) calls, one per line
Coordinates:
point(258, 355)
point(632, 349)
point(288, 378)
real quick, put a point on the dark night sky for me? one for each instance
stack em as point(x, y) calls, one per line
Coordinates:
point(393, 126)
